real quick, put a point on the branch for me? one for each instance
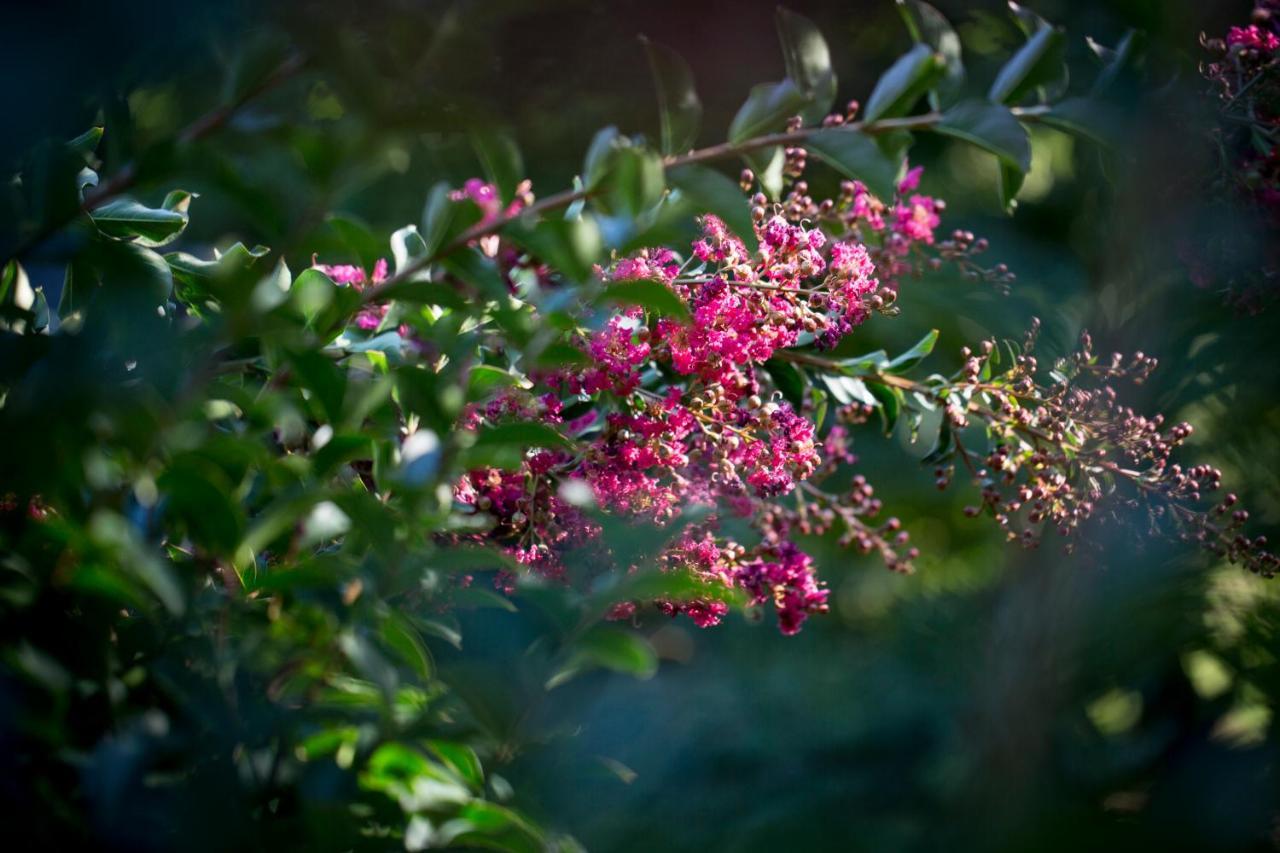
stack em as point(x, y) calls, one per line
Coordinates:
point(702, 155)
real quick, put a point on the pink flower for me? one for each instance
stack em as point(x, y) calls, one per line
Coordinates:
point(1253, 37)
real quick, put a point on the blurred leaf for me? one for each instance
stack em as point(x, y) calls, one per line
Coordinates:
point(402, 637)
point(1087, 118)
point(611, 648)
point(808, 63)
point(436, 217)
point(524, 434)
point(929, 26)
point(906, 81)
point(407, 248)
point(679, 110)
point(710, 191)
point(501, 160)
point(856, 156)
point(649, 294)
point(992, 127)
point(766, 109)
point(1038, 64)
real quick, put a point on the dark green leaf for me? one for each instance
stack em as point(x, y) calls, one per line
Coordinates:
point(126, 219)
point(808, 63)
point(889, 401)
point(766, 110)
point(929, 26)
point(712, 192)
point(437, 214)
point(991, 127)
point(1038, 64)
point(899, 88)
point(1084, 117)
point(679, 110)
point(523, 434)
point(856, 155)
point(788, 380)
point(649, 294)
point(915, 355)
point(500, 158)
point(1010, 180)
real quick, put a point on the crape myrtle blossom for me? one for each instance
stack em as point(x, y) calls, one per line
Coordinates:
point(675, 413)
point(709, 435)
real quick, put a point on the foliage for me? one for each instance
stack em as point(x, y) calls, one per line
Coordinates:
point(256, 498)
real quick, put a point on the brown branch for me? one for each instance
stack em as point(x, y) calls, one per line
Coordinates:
point(703, 155)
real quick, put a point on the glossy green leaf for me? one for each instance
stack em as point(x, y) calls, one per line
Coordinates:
point(906, 81)
point(913, 356)
point(126, 219)
point(929, 26)
point(991, 127)
point(1038, 64)
point(766, 110)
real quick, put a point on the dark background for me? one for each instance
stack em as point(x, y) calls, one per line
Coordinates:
point(999, 698)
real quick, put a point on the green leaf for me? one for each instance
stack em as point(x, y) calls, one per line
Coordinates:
point(126, 219)
point(1009, 182)
point(855, 155)
point(788, 380)
point(929, 26)
point(649, 294)
point(461, 759)
point(407, 247)
point(524, 434)
point(808, 63)
point(86, 143)
point(991, 127)
point(596, 164)
point(483, 379)
point(625, 178)
point(1038, 64)
point(500, 158)
point(611, 648)
point(913, 356)
point(898, 89)
point(401, 637)
point(357, 237)
point(1117, 61)
point(679, 110)
point(437, 214)
point(890, 403)
point(1084, 117)
point(768, 165)
point(710, 191)
point(570, 246)
point(766, 109)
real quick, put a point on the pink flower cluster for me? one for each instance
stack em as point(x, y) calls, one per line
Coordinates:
point(1253, 37)
point(370, 316)
point(669, 412)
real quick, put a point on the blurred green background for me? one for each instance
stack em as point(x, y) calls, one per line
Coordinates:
point(999, 698)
